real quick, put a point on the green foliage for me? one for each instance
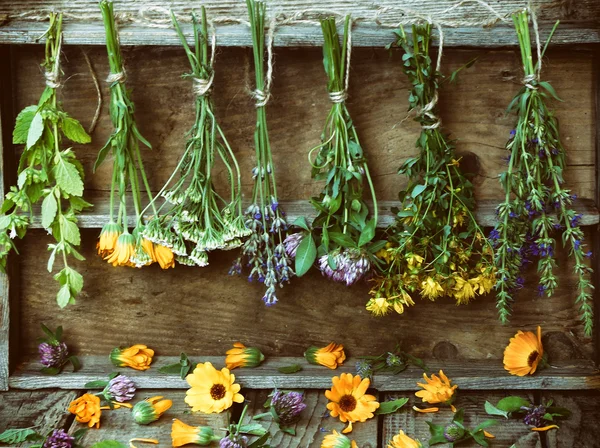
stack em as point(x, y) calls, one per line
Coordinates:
point(15, 436)
point(460, 432)
point(389, 407)
point(288, 370)
point(182, 367)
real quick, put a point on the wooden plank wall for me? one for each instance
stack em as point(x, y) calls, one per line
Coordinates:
point(121, 305)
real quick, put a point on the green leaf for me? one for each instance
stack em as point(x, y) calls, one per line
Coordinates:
point(306, 255)
point(108, 444)
point(512, 404)
point(301, 222)
point(287, 429)
point(74, 131)
point(389, 407)
point(437, 434)
point(63, 298)
point(49, 333)
point(22, 124)
point(98, 384)
point(74, 360)
point(14, 436)
point(485, 424)
point(255, 429)
point(290, 369)
point(36, 129)
point(546, 85)
point(74, 280)
point(49, 209)
point(50, 371)
point(417, 190)
point(69, 230)
point(171, 369)
point(493, 410)
point(368, 233)
point(67, 177)
point(342, 239)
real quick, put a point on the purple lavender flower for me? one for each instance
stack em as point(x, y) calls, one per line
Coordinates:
point(534, 416)
point(541, 290)
point(554, 151)
point(121, 388)
point(364, 369)
point(59, 439)
point(494, 235)
point(588, 254)
point(393, 360)
point(53, 354)
point(288, 406)
point(575, 220)
point(234, 441)
point(513, 132)
point(577, 244)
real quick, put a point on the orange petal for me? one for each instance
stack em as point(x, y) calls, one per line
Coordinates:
point(347, 429)
point(489, 435)
point(453, 408)
point(545, 428)
point(426, 410)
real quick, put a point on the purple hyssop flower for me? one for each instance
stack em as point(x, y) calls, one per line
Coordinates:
point(121, 388)
point(232, 441)
point(59, 439)
point(53, 355)
point(534, 416)
point(288, 406)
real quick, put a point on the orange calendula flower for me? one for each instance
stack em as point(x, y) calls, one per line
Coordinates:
point(337, 440)
point(182, 434)
point(331, 356)
point(212, 390)
point(108, 239)
point(123, 251)
point(436, 389)
point(348, 399)
point(87, 410)
point(242, 356)
point(138, 357)
point(164, 256)
point(401, 440)
point(524, 353)
point(150, 410)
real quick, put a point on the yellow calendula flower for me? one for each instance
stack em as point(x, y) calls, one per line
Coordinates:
point(242, 356)
point(330, 356)
point(378, 306)
point(108, 239)
point(182, 434)
point(87, 410)
point(401, 440)
point(436, 389)
point(164, 256)
point(123, 251)
point(348, 399)
point(431, 289)
point(138, 357)
point(524, 353)
point(150, 409)
point(337, 440)
point(464, 290)
point(212, 390)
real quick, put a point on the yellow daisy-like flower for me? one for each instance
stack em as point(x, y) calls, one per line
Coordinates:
point(330, 356)
point(123, 251)
point(108, 239)
point(378, 306)
point(464, 290)
point(431, 289)
point(436, 389)
point(87, 410)
point(414, 260)
point(348, 399)
point(164, 256)
point(337, 440)
point(138, 357)
point(150, 410)
point(212, 391)
point(401, 440)
point(524, 353)
point(182, 434)
point(242, 356)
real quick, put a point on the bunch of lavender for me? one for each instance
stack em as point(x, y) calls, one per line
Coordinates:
point(285, 409)
point(119, 388)
point(200, 216)
point(343, 242)
point(536, 205)
point(54, 353)
point(47, 171)
point(263, 252)
point(394, 362)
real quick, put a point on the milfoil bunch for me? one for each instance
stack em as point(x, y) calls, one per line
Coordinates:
point(536, 206)
point(342, 245)
point(436, 248)
point(200, 220)
point(48, 171)
point(117, 245)
point(263, 252)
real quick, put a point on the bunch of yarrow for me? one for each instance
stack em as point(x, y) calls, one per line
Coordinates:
point(116, 244)
point(48, 171)
point(536, 205)
point(263, 252)
point(343, 231)
point(200, 220)
point(435, 248)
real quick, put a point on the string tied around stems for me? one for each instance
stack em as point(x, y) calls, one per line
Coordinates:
point(201, 86)
point(53, 76)
point(262, 96)
point(341, 95)
point(119, 77)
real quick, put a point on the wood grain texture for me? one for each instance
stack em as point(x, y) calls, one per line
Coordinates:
point(118, 424)
point(414, 424)
point(470, 375)
point(148, 24)
point(315, 423)
point(578, 431)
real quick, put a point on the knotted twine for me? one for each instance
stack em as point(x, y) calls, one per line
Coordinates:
point(340, 96)
point(53, 76)
point(262, 96)
point(530, 81)
point(201, 86)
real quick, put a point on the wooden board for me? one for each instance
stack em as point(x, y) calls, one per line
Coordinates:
point(578, 431)
point(314, 425)
point(149, 24)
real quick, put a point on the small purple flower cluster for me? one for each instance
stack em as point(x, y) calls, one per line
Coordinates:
point(234, 441)
point(364, 369)
point(288, 406)
point(59, 439)
point(53, 354)
point(534, 415)
point(121, 388)
point(350, 266)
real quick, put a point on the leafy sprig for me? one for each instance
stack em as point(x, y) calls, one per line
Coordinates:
point(456, 432)
point(536, 416)
point(393, 362)
point(17, 436)
point(49, 172)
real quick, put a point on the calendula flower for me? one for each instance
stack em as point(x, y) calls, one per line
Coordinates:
point(242, 356)
point(164, 256)
point(524, 353)
point(348, 399)
point(123, 251)
point(108, 239)
point(212, 391)
point(59, 439)
point(378, 306)
point(436, 389)
point(150, 409)
point(138, 357)
point(182, 434)
point(330, 356)
point(87, 410)
point(337, 440)
point(401, 440)
point(431, 289)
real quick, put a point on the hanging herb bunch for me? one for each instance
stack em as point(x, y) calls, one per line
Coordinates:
point(435, 248)
point(199, 215)
point(264, 252)
point(342, 237)
point(47, 171)
point(536, 205)
point(116, 244)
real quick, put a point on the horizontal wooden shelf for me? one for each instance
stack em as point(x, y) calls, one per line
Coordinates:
point(485, 214)
point(467, 374)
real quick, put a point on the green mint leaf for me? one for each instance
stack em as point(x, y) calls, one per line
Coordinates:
point(368, 233)
point(14, 436)
point(50, 371)
point(75, 280)
point(36, 129)
point(417, 190)
point(98, 384)
point(301, 222)
point(74, 131)
point(69, 230)
point(306, 254)
point(22, 124)
point(67, 177)
point(171, 369)
point(512, 404)
point(389, 407)
point(63, 298)
point(49, 209)
point(287, 370)
point(493, 410)
point(108, 444)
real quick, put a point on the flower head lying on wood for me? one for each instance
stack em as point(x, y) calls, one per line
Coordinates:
point(87, 410)
point(182, 434)
point(212, 390)
point(401, 440)
point(138, 357)
point(54, 354)
point(242, 356)
point(436, 390)
point(149, 410)
point(349, 401)
point(285, 409)
point(539, 418)
point(330, 356)
point(337, 440)
point(456, 432)
point(524, 353)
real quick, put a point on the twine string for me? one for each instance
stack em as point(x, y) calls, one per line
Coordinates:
point(98, 93)
point(262, 96)
point(340, 96)
point(538, 41)
point(119, 77)
point(201, 86)
point(53, 76)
